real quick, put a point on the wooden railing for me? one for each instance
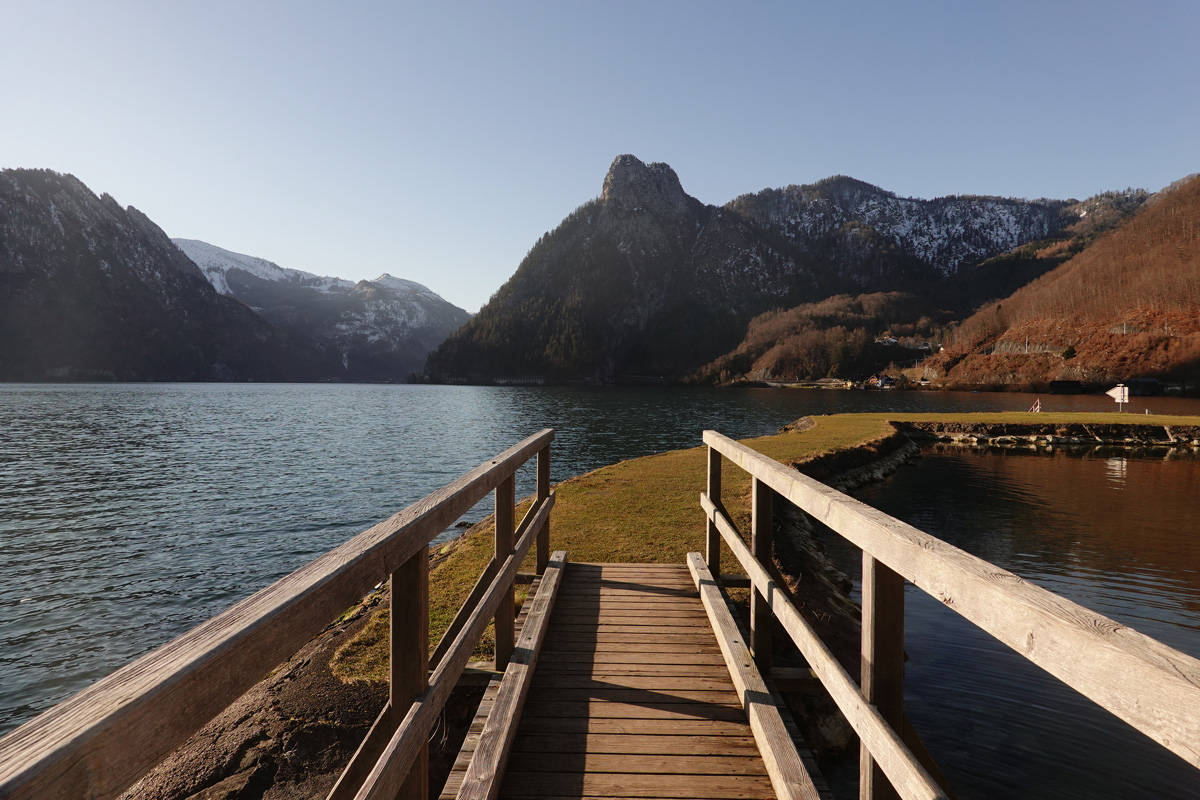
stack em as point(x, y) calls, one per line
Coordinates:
point(101, 741)
point(1151, 686)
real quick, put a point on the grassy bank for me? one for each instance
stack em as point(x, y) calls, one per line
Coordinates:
point(647, 510)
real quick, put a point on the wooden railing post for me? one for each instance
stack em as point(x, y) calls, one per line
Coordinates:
point(712, 542)
point(543, 492)
point(760, 545)
point(410, 656)
point(505, 614)
point(882, 679)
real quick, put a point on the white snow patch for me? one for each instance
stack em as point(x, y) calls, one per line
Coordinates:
point(216, 262)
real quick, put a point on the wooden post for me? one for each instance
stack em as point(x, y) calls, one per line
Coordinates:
point(506, 633)
point(760, 545)
point(882, 680)
point(543, 492)
point(410, 656)
point(712, 543)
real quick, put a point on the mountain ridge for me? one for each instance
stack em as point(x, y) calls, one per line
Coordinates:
point(365, 330)
point(93, 291)
point(1127, 306)
point(647, 280)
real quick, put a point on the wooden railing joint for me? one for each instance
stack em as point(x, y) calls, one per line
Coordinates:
point(1151, 686)
point(99, 742)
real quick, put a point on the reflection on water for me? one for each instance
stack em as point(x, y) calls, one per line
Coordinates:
point(130, 513)
point(1113, 531)
point(1116, 471)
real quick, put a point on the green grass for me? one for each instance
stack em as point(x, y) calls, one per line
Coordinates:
point(647, 510)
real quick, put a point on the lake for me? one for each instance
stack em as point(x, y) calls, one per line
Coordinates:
point(130, 513)
point(1110, 529)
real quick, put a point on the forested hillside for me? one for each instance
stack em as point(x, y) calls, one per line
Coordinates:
point(1126, 306)
point(840, 337)
point(93, 291)
point(380, 330)
point(648, 281)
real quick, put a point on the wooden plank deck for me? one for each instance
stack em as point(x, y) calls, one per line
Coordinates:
point(631, 697)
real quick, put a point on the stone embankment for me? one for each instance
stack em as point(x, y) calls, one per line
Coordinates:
point(823, 589)
point(1053, 434)
point(290, 736)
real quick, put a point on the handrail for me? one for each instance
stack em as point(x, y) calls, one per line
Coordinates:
point(1151, 686)
point(900, 765)
point(387, 776)
point(102, 740)
point(486, 768)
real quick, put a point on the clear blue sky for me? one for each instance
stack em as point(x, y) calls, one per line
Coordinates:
point(436, 141)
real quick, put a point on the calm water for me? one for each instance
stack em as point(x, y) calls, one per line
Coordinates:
point(1113, 531)
point(130, 513)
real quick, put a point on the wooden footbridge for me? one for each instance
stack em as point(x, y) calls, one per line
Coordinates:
point(617, 680)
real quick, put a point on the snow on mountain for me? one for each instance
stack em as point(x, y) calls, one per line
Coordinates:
point(375, 330)
point(401, 285)
point(216, 262)
point(947, 233)
point(91, 290)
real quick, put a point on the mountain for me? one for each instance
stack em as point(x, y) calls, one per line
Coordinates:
point(852, 337)
point(872, 233)
point(1127, 305)
point(647, 280)
point(637, 282)
point(840, 337)
point(366, 331)
point(93, 291)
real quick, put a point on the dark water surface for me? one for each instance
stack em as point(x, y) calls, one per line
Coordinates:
point(130, 513)
point(1115, 531)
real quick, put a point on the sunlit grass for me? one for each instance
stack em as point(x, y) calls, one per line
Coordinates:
point(647, 510)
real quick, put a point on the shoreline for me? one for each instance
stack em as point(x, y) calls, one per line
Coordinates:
point(593, 521)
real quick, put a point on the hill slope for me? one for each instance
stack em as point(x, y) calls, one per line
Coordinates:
point(93, 291)
point(1127, 306)
point(640, 281)
point(847, 219)
point(366, 331)
point(646, 280)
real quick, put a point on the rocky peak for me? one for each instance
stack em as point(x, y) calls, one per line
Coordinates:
point(633, 186)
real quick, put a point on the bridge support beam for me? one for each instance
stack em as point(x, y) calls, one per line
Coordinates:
point(882, 679)
point(543, 492)
point(761, 533)
point(506, 618)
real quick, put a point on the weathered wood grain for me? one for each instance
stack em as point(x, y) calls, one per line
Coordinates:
point(605, 784)
point(482, 780)
point(567, 680)
point(385, 779)
point(712, 538)
point(563, 640)
point(1153, 687)
point(882, 671)
point(696, 655)
point(482, 711)
point(761, 533)
point(788, 775)
point(636, 763)
point(606, 671)
point(505, 620)
point(665, 744)
point(543, 491)
point(733, 729)
point(409, 658)
point(100, 741)
point(898, 763)
point(620, 692)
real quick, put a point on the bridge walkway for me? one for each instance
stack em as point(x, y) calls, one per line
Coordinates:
point(631, 697)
